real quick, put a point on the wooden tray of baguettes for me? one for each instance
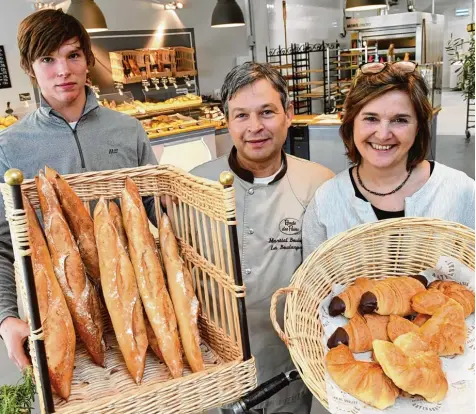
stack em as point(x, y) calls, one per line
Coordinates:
point(132, 323)
point(391, 310)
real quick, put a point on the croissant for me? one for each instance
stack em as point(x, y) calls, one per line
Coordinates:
point(420, 319)
point(81, 297)
point(457, 292)
point(79, 221)
point(59, 335)
point(392, 296)
point(359, 333)
point(446, 330)
point(121, 295)
point(364, 380)
point(348, 301)
point(398, 326)
point(412, 366)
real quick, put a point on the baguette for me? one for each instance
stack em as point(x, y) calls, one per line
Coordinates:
point(150, 278)
point(185, 302)
point(81, 297)
point(60, 338)
point(153, 342)
point(79, 221)
point(120, 292)
point(116, 216)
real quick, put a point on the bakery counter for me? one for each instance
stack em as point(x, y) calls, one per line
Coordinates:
point(186, 148)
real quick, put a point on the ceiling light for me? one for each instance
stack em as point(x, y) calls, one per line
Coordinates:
point(40, 5)
point(461, 12)
point(227, 13)
point(89, 14)
point(361, 5)
point(172, 5)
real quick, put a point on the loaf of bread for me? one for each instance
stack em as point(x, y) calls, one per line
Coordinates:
point(120, 292)
point(116, 216)
point(79, 221)
point(152, 339)
point(150, 278)
point(183, 296)
point(81, 296)
point(60, 338)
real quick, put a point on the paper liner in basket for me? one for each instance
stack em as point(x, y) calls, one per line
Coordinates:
point(459, 369)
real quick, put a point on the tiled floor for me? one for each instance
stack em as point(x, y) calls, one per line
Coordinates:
point(452, 150)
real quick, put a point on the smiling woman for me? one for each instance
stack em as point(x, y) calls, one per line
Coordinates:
point(386, 134)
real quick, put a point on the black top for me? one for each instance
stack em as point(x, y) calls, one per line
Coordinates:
point(382, 214)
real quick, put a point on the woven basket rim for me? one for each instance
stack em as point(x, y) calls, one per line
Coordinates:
point(295, 322)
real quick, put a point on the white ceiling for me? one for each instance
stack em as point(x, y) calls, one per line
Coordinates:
point(441, 6)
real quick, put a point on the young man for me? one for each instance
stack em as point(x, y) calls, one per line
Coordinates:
point(70, 132)
point(272, 192)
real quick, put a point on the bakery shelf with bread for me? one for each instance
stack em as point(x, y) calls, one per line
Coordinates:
point(381, 272)
point(159, 62)
point(146, 110)
point(154, 347)
point(128, 66)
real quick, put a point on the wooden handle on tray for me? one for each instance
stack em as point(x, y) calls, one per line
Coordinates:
point(272, 311)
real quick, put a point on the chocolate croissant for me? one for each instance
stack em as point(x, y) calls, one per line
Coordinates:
point(364, 380)
point(392, 296)
point(359, 333)
point(348, 301)
point(412, 366)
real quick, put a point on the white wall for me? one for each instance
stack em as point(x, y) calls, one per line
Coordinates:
point(309, 21)
point(11, 14)
point(217, 49)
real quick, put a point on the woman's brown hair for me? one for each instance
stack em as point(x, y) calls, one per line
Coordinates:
point(44, 31)
point(367, 87)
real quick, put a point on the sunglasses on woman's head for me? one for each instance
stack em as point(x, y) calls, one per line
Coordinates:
point(371, 68)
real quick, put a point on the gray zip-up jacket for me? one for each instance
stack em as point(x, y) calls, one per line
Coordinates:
point(269, 224)
point(101, 140)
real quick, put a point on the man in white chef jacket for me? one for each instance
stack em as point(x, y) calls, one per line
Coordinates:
point(272, 191)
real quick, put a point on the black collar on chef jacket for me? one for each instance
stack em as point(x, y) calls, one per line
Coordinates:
point(247, 175)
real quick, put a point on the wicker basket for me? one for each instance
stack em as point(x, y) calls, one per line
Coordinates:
point(163, 62)
point(120, 61)
point(204, 221)
point(394, 247)
point(184, 62)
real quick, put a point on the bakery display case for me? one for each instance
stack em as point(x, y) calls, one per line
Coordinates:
point(125, 103)
point(134, 66)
